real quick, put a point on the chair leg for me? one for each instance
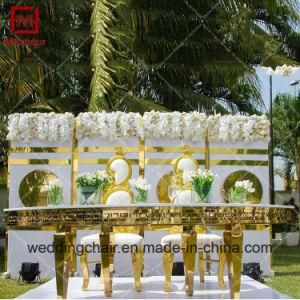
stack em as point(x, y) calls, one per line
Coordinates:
point(137, 266)
point(208, 263)
point(168, 258)
point(222, 261)
point(85, 270)
point(101, 275)
point(201, 266)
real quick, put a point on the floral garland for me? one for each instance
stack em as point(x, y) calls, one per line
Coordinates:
point(192, 126)
point(43, 126)
point(230, 128)
point(109, 125)
point(175, 125)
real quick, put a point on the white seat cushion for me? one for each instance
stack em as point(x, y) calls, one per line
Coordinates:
point(202, 239)
point(120, 239)
point(119, 198)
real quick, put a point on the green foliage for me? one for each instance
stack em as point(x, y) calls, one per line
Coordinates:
point(51, 78)
point(190, 55)
point(286, 120)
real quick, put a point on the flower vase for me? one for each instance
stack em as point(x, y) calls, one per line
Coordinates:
point(140, 196)
point(55, 197)
point(200, 192)
point(238, 197)
point(89, 195)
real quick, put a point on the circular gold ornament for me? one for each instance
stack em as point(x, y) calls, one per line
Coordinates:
point(33, 188)
point(162, 188)
point(229, 182)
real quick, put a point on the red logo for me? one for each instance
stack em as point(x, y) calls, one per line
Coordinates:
point(24, 20)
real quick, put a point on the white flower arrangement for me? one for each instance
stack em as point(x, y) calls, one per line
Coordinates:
point(43, 126)
point(201, 181)
point(141, 189)
point(239, 192)
point(97, 179)
point(54, 184)
point(175, 125)
point(230, 128)
point(54, 189)
point(109, 125)
point(246, 185)
point(284, 70)
point(140, 183)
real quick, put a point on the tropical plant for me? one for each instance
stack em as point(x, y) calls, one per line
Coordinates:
point(188, 55)
point(286, 120)
point(55, 77)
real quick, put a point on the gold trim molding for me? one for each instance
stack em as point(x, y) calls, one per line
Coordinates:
point(103, 149)
point(21, 161)
point(40, 150)
point(148, 216)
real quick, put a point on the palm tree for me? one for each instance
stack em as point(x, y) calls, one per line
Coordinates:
point(51, 78)
point(286, 120)
point(187, 55)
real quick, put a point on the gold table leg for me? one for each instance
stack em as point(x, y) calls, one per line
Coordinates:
point(201, 266)
point(74, 256)
point(233, 238)
point(107, 257)
point(222, 261)
point(62, 262)
point(189, 249)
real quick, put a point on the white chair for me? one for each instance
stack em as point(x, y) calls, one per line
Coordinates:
point(118, 193)
point(187, 163)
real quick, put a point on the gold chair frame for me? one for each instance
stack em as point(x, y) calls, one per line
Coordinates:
point(168, 256)
point(137, 256)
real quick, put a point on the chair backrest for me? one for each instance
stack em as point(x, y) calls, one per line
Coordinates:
point(184, 163)
point(120, 170)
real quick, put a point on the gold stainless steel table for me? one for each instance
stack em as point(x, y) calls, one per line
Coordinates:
point(232, 217)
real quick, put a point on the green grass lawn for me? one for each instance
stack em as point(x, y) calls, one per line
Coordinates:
point(286, 264)
point(10, 288)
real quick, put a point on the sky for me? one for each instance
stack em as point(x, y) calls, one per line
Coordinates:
point(280, 85)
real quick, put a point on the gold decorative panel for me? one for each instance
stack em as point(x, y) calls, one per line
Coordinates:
point(162, 188)
point(33, 188)
point(243, 175)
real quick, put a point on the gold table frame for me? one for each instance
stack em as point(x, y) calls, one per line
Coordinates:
point(232, 217)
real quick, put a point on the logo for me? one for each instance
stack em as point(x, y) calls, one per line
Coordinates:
point(24, 20)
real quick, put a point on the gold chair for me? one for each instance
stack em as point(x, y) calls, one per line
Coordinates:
point(186, 163)
point(118, 193)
